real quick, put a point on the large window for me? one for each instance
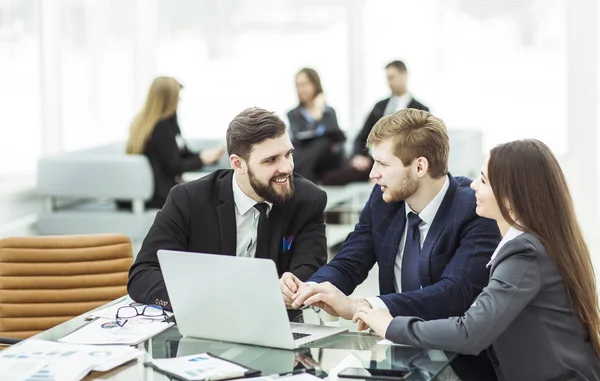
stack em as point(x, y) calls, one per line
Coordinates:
point(494, 66)
point(19, 86)
point(497, 66)
point(96, 61)
point(231, 55)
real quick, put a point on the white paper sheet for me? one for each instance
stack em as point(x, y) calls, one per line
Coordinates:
point(27, 369)
point(102, 358)
point(105, 331)
point(22, 369)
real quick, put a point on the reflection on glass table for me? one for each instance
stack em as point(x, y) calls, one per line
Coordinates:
point(327, 357)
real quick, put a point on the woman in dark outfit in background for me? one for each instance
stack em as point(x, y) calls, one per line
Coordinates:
point(155, 133)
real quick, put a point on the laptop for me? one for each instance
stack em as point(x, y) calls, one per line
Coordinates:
point(236, 299)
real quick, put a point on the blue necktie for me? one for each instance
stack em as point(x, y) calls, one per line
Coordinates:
point(410, 258)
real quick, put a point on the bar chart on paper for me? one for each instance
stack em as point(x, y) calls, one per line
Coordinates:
point(200, 371)
point(42, 375)
point(202, 367)
point(102, 358)
point(27, 369)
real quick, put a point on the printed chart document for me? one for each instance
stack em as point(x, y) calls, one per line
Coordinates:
point(20, 369)
point(201, 367)
point(106, 331)
point(56, 370)
point(102, 358)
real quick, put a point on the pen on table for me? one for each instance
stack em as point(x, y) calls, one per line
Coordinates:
point(157, 369)
point(293, 372)
point(316, 309)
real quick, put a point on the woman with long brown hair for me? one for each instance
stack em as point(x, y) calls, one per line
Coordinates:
point(314, 130)
point(155, 133)
point(539, 313)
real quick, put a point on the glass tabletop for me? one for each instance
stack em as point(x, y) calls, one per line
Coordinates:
point(327, 356)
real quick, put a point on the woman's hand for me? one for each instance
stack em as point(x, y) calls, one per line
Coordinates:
point(378, 319)
point(317, 108)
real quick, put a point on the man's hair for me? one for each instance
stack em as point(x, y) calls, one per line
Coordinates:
point(398, 65)
point(252, 126)
point(415, 133)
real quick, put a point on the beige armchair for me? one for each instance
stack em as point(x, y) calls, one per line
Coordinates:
point(45, 281)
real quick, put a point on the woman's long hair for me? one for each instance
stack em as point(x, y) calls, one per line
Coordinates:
point(313, 77)
point(526, 177)
point(161, 102)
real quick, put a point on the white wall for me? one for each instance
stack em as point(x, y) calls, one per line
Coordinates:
point(582, 162)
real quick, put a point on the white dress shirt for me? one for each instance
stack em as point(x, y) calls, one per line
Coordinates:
point(246, 220)
point(402, 101)
point(427, 215)
point(511, 234)
point(397, 103)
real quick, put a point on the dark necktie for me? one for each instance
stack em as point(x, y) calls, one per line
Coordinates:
point(262, 234)
point(410, 258)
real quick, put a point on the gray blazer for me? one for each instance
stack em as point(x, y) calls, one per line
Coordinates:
point(524, 314)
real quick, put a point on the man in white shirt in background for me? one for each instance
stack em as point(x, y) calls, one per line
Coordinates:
point(361, 162)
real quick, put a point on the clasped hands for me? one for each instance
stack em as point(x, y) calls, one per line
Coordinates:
point(329, 298)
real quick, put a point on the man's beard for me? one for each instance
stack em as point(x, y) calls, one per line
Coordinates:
point(268, 191)
point(405, 189)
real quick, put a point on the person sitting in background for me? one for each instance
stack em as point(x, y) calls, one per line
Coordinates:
point(539, 311)
point(314, 129)
point(155, 133)
point(360, 164)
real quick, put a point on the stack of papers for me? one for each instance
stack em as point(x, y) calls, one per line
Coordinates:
point(46, 360)
point(106, 331)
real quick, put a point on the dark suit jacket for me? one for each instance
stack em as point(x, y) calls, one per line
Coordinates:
point(168, 161)
point(452, 263)
point(377, 113)
point(524, 313)
point(303, 130)
point(199, 216)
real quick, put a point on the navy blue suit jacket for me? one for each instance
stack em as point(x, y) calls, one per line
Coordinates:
point(452, 265)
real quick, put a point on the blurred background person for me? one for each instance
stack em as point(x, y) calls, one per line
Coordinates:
point(361, 162)
point(316, 135)
point(155, 133)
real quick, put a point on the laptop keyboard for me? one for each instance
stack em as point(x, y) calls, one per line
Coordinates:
point(298, 335)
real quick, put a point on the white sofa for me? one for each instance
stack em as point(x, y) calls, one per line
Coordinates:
point(81, 188)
